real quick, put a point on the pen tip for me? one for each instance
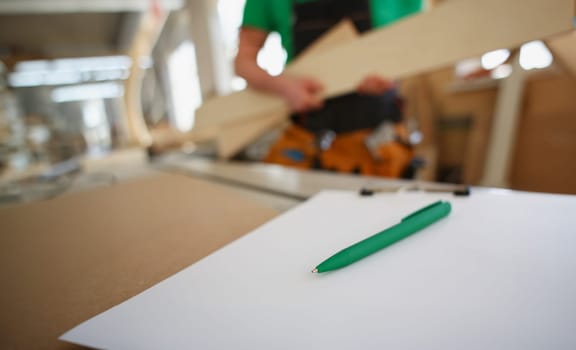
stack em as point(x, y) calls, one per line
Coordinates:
point(315, 271)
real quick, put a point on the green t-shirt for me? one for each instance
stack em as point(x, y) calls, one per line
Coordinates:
point(275, 16)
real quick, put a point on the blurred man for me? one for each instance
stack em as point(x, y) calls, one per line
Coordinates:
point(326, 134)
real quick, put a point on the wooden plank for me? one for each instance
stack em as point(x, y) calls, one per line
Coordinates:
point(232, 139)
point(250, 103)
point(235, 136)
point(71, 258)
point(343, 32)
point(237, 108)
point(451, 32)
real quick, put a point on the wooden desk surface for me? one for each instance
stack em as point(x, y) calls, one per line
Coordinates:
point(65, 260)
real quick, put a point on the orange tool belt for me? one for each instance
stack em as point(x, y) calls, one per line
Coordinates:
point(347, 152)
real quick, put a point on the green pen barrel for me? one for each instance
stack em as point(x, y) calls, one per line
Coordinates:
point(409, 225)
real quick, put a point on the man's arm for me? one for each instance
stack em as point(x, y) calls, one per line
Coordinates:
point(301, 94)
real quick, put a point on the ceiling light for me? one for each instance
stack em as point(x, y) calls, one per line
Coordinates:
point(535, 55)
point(495, 58)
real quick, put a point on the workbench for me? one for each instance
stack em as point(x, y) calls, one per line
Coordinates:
point(68, 258)
point(282, 187)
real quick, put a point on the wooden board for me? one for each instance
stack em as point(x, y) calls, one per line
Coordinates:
point(250, 103)
point(451, 32)
point(232, 139)
point(342, 33)
point(68, 259)
point(235, 136)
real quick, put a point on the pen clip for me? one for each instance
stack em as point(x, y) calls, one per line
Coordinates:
point(426, 208)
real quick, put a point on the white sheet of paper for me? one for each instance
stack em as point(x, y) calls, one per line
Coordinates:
point(498, 273)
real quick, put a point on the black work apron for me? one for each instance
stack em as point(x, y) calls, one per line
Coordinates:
point(350, 112)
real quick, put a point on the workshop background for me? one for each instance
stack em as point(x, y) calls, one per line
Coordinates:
point(84, 79)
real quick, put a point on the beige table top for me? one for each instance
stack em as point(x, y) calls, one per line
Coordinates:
point(65, 260)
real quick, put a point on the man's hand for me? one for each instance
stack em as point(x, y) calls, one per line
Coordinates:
point(374, 85)
point(301, 94)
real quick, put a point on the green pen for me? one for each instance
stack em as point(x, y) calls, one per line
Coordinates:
point(408, 226)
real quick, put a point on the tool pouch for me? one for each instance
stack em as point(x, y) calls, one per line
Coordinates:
point(345, 152)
